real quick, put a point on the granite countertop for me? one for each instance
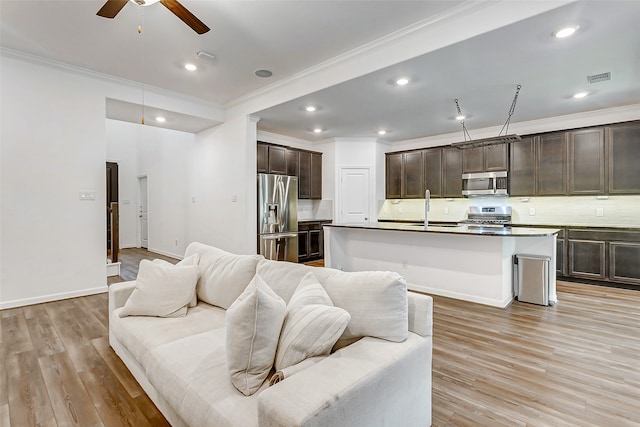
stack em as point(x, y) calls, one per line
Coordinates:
point(452, 229)
point(577, 227)
point(315, 220)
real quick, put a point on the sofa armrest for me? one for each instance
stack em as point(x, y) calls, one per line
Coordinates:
point(372, 382)
point(420, 313)
point(119, 294)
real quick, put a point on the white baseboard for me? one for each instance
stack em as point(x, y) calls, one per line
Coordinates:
point(169, 254)
point(52, 297)
point(457, 295)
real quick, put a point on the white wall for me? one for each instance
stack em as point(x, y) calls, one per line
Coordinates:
point(52, 147)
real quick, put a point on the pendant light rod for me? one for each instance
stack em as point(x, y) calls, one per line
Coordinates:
point(511, 110)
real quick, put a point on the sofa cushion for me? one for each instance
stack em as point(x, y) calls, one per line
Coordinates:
point(312, 326)
point(162, 290)
point(191, 375)
point(376, 301)
point(190, 260)
point(283, 277)
point(223, 276)
point(254, 322)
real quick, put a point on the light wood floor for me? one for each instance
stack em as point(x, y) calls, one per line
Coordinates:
point(574, 364)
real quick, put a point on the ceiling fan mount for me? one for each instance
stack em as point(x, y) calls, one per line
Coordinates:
point(112, 7)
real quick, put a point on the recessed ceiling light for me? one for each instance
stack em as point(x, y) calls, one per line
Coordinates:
point(565, 32)
point(190, 67)
point(310, 108)
point(160, 119)
point(263, 73)
point(382, 132)
point(460, 117)
point(581, 94)
point(317, 130)
point(402, 81)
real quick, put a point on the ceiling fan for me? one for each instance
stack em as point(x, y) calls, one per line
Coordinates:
point(112, 7)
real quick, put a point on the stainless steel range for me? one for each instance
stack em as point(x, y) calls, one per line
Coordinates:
point(488, 216)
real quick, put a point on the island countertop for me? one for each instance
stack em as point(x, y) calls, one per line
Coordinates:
point(451, 229)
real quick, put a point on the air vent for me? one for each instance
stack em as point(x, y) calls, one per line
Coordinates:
point(596, 78)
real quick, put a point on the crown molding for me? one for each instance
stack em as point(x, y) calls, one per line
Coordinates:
point(290, 141)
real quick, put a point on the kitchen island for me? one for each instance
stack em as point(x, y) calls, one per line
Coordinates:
point(469, 263)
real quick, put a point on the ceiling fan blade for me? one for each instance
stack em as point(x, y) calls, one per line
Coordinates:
point(111, 8)
point(187, 17)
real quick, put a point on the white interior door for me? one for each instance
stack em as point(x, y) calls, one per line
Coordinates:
point(143, 220)
point(355, 193)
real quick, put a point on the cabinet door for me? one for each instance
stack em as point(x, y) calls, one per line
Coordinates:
point(561, 254)
point(393, 176)
point(277, 160)
point(624, 262)
point(316, 176)
point(587, 259)
point(293, 163)
point(304, 178)
point(522, 175)
point(624, 152)
point(452, 172)
point(433, 171)
point(315, 240)
point(473, 160)
point(495, 157)
point(586, 161)
point(413, 175)
point(262, 157)
point(551, 167)
point(303, 246)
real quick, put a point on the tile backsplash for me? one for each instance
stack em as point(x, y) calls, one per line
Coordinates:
point(315, 209)
point(595, 211)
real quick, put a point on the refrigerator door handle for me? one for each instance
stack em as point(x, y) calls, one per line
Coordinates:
point(278, 236)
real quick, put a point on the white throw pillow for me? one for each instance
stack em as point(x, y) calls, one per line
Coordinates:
point(162, 290)
point(312, 326)
point(376, 301)
point(254, 322)
point(190, 260)
point(226, 278)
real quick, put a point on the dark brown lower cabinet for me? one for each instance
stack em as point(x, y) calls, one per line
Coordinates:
point(605, 255)
point(587, 259)
point(310, 240)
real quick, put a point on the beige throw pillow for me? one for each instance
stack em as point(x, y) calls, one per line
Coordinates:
point(190, 260)
point(226, 278)
point(312, 326)
point(162, 290)
point(254, 322)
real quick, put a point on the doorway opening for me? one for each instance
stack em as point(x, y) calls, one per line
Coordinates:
point(112, 212)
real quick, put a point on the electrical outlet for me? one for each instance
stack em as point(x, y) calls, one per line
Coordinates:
point(599, 211)
point(532, 211)
point(446, 211)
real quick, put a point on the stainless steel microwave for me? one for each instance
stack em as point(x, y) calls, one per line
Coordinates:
point(485, 184)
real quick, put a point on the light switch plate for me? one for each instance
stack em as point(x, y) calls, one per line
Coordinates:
point(87, 195)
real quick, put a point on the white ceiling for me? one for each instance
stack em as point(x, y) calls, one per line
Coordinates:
point(287, 37)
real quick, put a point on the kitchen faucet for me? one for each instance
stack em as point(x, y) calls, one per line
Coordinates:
point(427, 198)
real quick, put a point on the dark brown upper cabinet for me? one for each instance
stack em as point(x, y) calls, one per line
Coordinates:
point(277, 160)
point(433, 171)
point(551, 165)
point(522, 174)
point(293, 162)
point(485, 159)
point(413, 175)
point(624, 152)
point(393, 176)
point(316, 176)
point(587, 161)
point(262, 158)
point(452, 172)
point(304, 178)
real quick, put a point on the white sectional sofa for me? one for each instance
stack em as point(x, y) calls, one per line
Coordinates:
point(181, 361)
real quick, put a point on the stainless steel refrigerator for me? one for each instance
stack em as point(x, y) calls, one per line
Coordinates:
point(278, 217)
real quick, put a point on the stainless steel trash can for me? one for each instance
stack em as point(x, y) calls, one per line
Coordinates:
point(531, 276)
